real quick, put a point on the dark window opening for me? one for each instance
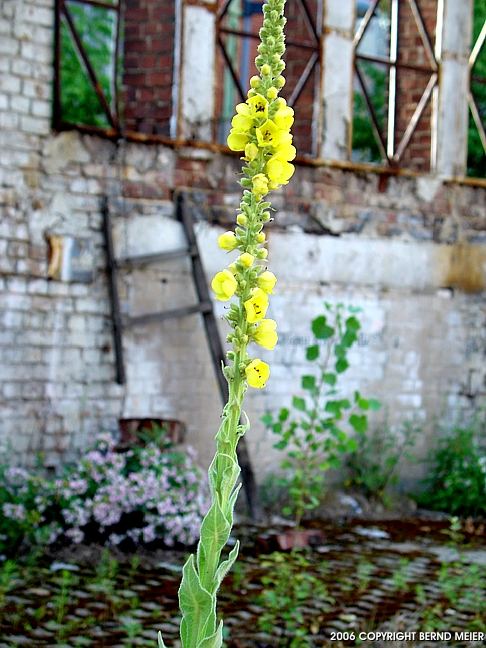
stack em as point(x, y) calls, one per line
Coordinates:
point(114, 66)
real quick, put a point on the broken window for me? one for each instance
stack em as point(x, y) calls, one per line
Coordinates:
point(476, 161)
point(396, 74)
point(238, 23)
point(114, 66)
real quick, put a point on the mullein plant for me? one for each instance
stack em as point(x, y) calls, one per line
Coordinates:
point(261, 131)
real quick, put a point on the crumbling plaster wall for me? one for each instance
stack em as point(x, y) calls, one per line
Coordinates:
point(410, 251)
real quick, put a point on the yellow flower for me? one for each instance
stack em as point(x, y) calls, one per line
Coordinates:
point(256, 307)
point(268, 134)
point(246, 259)
point(237, 140)
point(258, 106)
point(284, 118)
point(227, 241)
point(257, 373)
point(260, 184)
point(224, 285)
point(266, 281)
point(251, 151)
point(266, 334)
point(243, 109)
point(242, 123)
point(279, 172)
point(285, 152)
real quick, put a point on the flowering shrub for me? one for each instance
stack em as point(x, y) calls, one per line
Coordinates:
point(146, 494)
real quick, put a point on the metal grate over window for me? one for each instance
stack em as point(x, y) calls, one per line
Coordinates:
point(238, 23)
point(114, 66)
point(396, 77)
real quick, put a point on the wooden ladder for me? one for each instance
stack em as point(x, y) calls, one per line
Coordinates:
point(204, 306)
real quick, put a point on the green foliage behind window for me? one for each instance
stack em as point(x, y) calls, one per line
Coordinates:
point(476, 161)
point(96, 29)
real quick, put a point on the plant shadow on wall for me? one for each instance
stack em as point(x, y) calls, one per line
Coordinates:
point(319, 429)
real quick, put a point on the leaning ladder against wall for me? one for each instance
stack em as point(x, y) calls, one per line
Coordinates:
point(204, 306)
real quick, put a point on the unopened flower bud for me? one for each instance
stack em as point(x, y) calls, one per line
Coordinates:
point(266, 70)
point(272, 93)
point(262, 253)
point(255, 81)
point(260, 237)
point(246, 259)
point(242, 220)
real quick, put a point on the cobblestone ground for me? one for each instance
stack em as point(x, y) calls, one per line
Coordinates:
point(391, 576)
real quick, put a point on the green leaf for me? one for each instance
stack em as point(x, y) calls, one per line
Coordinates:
point(277, 428)
point(298, 403)
point(363, 403)
point(308, 382)
point(348, 339)
point(321, 329)
point(341, 365)
point(226, 565)
point(215, 529)
point(359, 423)
point(352, 324)
point(196, 605)
point(215, 640)
point(329, 378)
point(161, 641)
point(267, 419)
point(374, 404)
point(333, 407)
point(281, 445)
point(284, 414)
point(312, 352)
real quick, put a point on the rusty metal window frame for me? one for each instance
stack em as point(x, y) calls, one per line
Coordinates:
point(115, 130)
point(63, 15)
point(314, 46)
point(391, 151)
point(477, 47)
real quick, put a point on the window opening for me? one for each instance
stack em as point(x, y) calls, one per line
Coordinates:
point(396, 75)
point(476, 162)
point(114, 66)
point(238, 23)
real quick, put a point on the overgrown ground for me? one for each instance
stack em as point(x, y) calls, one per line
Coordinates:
point(359, 577)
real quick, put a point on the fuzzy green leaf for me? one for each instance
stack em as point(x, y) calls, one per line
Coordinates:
point(352, 324)
point(359, 423)
point(161, 641)
point(321, 329)
point(226, 565)
point(308, 382)
point(267, 419)
point(215, 529)
point(374, 404)
point(283, 414)
point(215, 640)
point(197, 606)
point(298, 403)
point(312, 352)
point(341, 365)
point(329, 378)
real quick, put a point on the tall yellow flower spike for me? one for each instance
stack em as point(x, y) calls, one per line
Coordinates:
point(261, 130)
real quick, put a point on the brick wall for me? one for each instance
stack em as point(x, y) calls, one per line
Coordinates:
point(412, 83)
point(409, 251)
point(149, 31)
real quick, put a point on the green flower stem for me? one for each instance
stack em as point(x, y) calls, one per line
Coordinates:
point(203, 572)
